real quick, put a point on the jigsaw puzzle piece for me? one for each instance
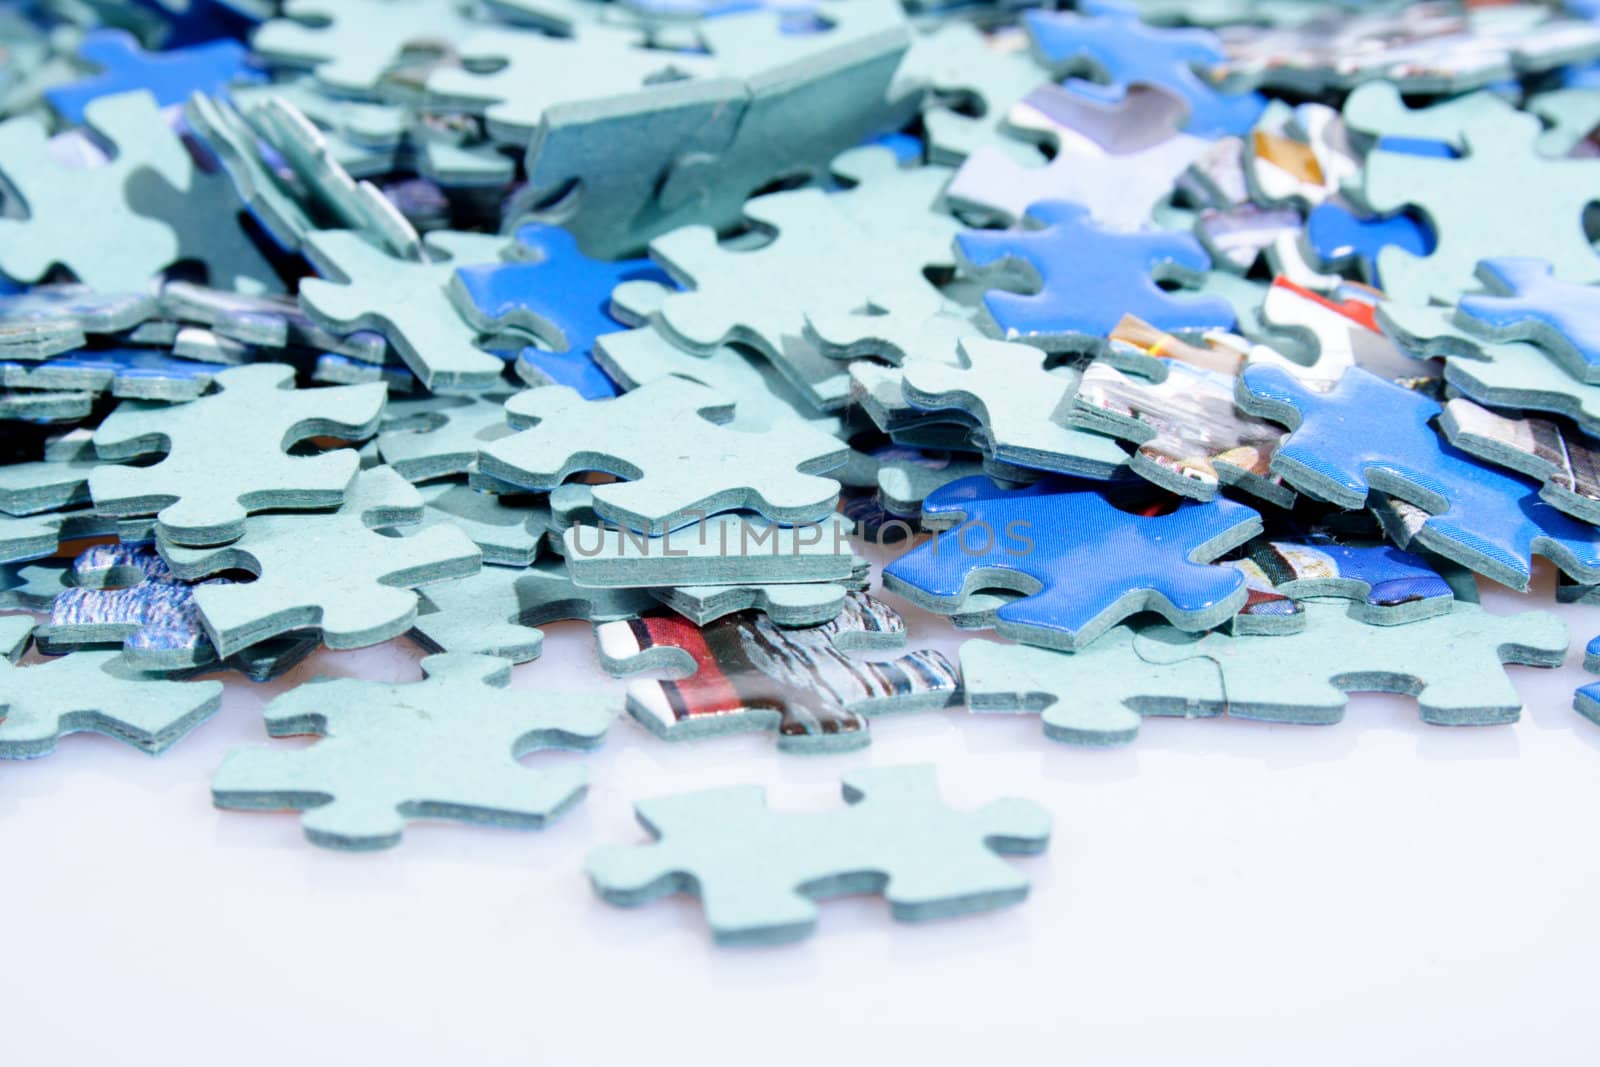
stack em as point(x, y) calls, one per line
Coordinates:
point(1586, 700)
point(1564, 461)
point(1386, 587)
point(96, 692)
point(496, 611)
point(440, 436)
point(558, 295)
point(759, 872)
point(171, 76)
point(1369, 434)
point(408, 302)
point(1017, 405)
point(1081, 563)
point(328, 570)
point(446, 747)
point(1526, 303)
point(353, 44)
point(664, 438)
point(1110, 39)
point(508, 530)
point(44, 485)
point(150, 615)
point(745, 672)
point(1095, 696)
point(1499, 166)
point(1339, 237)
point(805, 604)
point(31, 588)
point(1087, 278)
point(959, 62)
point(1512, 375)
point(201, 496)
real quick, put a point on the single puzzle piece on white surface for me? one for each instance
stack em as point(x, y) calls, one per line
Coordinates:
point(1020, 407)
point(496, 612)
point(160, 206)
point(745, 672)
point(1452, 663)
point(446, 748)
point(759, 872)
point(327, 570)
point(96, 692)
point(408, 302)
point(200, 491)
point(680, 464)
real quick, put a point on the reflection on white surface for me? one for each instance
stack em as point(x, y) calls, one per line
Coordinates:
point(1218, 892)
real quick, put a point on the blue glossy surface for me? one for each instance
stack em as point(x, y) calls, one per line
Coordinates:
point(1534, 305)
point(1130, 52)
point(172, 76)
point(561, 295)
point(1336, 234)
point(1085, 552)
point(1368, 428)
point(1091, 278)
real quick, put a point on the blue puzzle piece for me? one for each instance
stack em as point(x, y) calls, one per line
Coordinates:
point(1337, 235)
point(1587, 699)
point(1089, 278)
point(1528, 303)
point(172, 77)
point(1370, 434)
point(1129, 52)
point(136, 372)
point(559, 295)
point(1083, 564)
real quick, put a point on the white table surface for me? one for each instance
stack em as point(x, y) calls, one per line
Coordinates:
point(1218, 893)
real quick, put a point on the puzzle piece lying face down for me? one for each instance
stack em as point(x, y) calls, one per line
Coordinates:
point(1452, 663)
point(759, 872)
point(446, 747)
point(681, 465)
point(1082, 564)
point(750, 674)
point(200, 495)
point(96, 692)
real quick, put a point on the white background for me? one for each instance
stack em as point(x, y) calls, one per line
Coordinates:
point(1217, 893)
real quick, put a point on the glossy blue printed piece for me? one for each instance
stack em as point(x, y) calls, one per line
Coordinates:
point(1337, 234)
point(558, 294)
point(1370, 434)
point(1527, 302)
point(1129, 52)
point(1084, 564)
point(1091, 278)
point(1586, 701)
point(172, 76)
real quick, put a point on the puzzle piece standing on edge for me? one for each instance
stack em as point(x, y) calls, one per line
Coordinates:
point(329, 570)
point(759, 872)
point(1369, 434)
point(1096, 696)
point(664, 437)
point(1087, 279)
point(201, 491)
point(96, 692)
point(446, 747)
point(1081, 564)
point(750, 674)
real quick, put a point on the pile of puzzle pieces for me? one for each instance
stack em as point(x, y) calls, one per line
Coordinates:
point(1206, 351)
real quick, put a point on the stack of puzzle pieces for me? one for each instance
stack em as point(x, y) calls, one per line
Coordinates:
point(1205, 351)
